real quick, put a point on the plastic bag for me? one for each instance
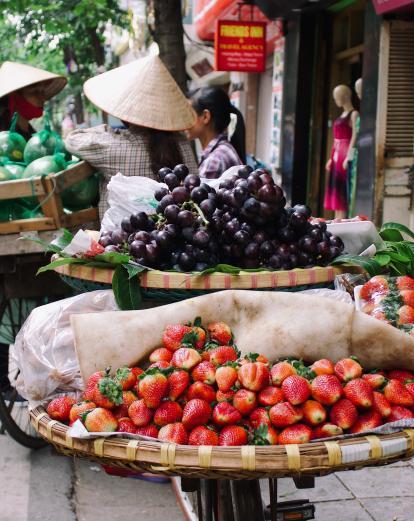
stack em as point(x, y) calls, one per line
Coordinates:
point(46, 142)
point(44, 348)
point(12, 144)
point(128, 195)
point(357, 236)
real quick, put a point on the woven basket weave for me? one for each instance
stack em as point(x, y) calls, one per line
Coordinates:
point(248, 462)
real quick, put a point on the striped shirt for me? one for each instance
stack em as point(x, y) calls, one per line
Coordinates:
point(118, 150)
point(218, 156)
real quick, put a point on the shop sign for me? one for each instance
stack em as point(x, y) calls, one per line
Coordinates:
point(384, 6)
point(240, 46)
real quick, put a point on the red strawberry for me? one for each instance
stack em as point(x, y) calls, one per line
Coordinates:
point(126, 378)
point(360, 393)
point(149, 430)
point(296, 389)
point(313, 412)
point(226, 414)
point(200, 337)
point(323, 366)
point(405, 282)
point(378, 285)
point(168, 412)
point(399, 413)
point(401, 375)
point(226, 377)
point(225, 396)
point(326, 389)
point(326, 430)
point(126, 425)
point(161, 354)
point(280, 371)
point(100, 420)
point(254, 376)
point(201, 390)
point(107, 392)
point(139, 413)
point(220, 332)
point(284, 414)
point(202, 435)
point(204, 372)
point(185, 358)
point(295, 434)
point(408, 297)
point(153, 387)
point(348, 369)
point(344, 414)
point(196, 412)
point(222, 354)
point(270, 396)
point(397, 394)
point(375, 380)
point(178, 382)
point(77, 409)
point(232, 436)
point(121, 411)
point(137, 371)
point(366, 422)
point(161, 364)
point(406, 315)
point(381, 404)
point(59, 408)
point(173, 433)
point(410, 388)
point(265, 435)
point(173, 336)
point(91, 385)
point(244, 401)
point(258, 417)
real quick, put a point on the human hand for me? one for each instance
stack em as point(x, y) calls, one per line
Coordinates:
point(328, 165)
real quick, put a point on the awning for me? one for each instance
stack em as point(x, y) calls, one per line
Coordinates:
point(386, 6)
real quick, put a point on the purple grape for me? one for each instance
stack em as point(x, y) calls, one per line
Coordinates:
point(259, 237)
point(241, 183)
point(181, 171)
point(320, 225)
point(126, 225)
point(293, 261)
point(237, 250)
point(201, 255)
point(252, 250)
point(304, 259)
point(216, 224)
point(171, 213)
point(175, 255)
point(207, 187)
point(213, 246)
point(172, 230)
point(163, 239)
point(248, 228)
point(139, 221)
point(298, 220)
point(186, 262)
point(119, 237)
point(160, 192)
point(228, 184)
point(162, 172)
point(143, 236)
point(286, 234)
point(244, 171)
point(293, 248)
point(283, 251)
point(267, 193)
point(225, 252)
point(267, 179)
point(111, 248)
point(252, 206)
point(166, 201)
point(180, 195)
point(150, 225)
point(316, 234)
point(187, 233)
point(303, 209)
point(152, 253)
point(275, 262)
point(225, 238)
point(105, 241)
point(207, 207)
point(137, 249)
point(268, 210)
point(191, 181)
point(337, 242)
point(185, 218)
point(334, 252)
point(266, 249)
point(153, 235)
point(240, 194)
point(201, 266)
point(242, 237)
point(322, 249)
point(307, 244)
point(226, 217)
point(232, 226)
point(171, 180)
point(199, 194)
point(201, 237)
point(189, 249)
point(254, 183)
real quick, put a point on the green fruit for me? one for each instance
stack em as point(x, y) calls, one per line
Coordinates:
point(43, 166)
point(5, 174)
point(15, 169)
point(42, 144)
point(82, 194)
point(12, 145)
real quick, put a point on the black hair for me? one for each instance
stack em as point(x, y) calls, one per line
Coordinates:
point(217, 102)
point(163, 148)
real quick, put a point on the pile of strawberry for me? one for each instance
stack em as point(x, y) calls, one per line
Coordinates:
point(198, 390)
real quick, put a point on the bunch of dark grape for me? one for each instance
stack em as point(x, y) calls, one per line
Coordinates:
point(244, 223)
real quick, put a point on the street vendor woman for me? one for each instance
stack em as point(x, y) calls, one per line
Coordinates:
point(24, 89)
point(145, 97)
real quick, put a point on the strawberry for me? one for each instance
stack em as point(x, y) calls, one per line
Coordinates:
point(313, 412)
point(107, 392)
point(375, 380)
point(139, 413)
point(410, 388)
point(254, 376)
point(401, 375)
point(397, 394)
point(280, 371)
point(348, 369)
point(285, 414)
point(344, 414)
point(149, 430)
point(406, 315)
point(295, 434)
point(126, 425)
point(323, 366)
point(407, 296)
point(232, 436)
point(265, 435)
point(399, 413)
point(262, 358)
point(326, 389)
point(360, 393)
point(380, 315)
point(173, 336)
point(366, 422)
point(204, 372)
point(220, 332)
point(59, 408)
point(137, 371)
point(378, 285)
point(226, 414)
point(196, 412)
point(258, 417)
point(222, 354)
point(296, 389)
point(405, 282)
point(173, 433)
point(326, 430)
point(201, 390)
point(381, 404)
point(91, 385)
point(99, 420)
point(121, 411)
point(126, 378)
point(270, 395)
point(227, 396)
point(178, 382)
point(226, 377)
point(200, 337)
point(78, 408)
point(153, 387)
point(161, 354)
point(202, 435)
point(161, 364)
point(244, 401)
point(185, 358)
point(168, 412)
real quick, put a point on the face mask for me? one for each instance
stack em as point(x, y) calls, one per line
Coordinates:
point(17, 103)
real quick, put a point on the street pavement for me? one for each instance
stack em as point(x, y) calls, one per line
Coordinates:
point(43, 486)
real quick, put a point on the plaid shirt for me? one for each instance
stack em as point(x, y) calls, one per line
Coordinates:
point(217, 157)
point(118, 150)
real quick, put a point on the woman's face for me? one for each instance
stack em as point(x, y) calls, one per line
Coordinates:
point(202, 123)
point(34, 94)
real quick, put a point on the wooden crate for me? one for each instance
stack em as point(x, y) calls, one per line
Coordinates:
point(48, 190)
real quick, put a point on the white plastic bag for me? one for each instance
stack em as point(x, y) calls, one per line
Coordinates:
point(44, 349)
point(357, 236)
point(128, 195)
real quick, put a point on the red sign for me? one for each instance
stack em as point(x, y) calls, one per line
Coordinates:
point(240, 46)
point(384, 6)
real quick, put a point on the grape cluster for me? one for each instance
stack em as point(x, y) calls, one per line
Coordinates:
point(244, 223)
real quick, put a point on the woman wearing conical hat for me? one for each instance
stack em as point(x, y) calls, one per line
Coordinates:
point(24, 89)
point(145, 97)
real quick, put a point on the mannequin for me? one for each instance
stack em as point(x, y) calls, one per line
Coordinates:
point(336, 195)
point(353, 156)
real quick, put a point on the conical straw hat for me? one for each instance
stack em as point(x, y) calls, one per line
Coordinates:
point(15, 76)
point(142, 93)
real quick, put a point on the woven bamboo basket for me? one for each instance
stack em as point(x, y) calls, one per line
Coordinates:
point(248, 462)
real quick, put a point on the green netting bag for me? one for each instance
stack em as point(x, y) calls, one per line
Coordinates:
point(43, 143)
point(16, 169)
point(5, 174)
point(14, 209)
point(12, 144)
point(82, 195)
